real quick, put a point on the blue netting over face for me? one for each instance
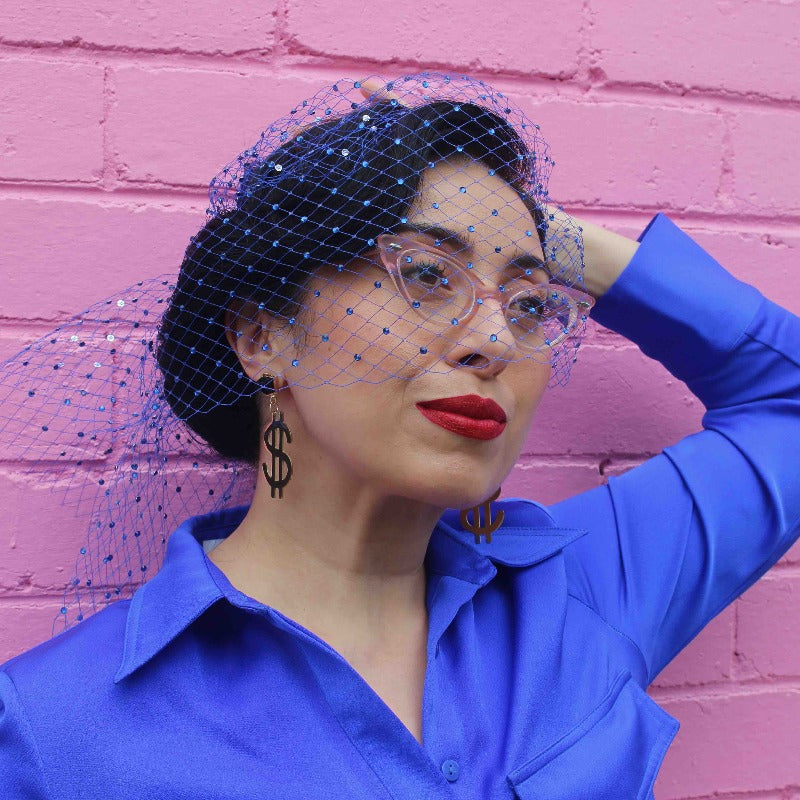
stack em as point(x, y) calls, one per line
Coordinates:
point(365, 237)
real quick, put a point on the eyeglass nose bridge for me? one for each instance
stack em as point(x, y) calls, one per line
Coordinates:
point(483, 292)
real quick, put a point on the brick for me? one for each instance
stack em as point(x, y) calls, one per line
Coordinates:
point(706, 659)
point(61, 256)
point(182, 126)
point(26, 623)
point(633, 404)
point(37, 550)
point(748, 46)
point(767, 636)
point(792, 556)
point(765, 259)
point(51, 119)
point(202, 26)
point(13, 339)
point(39, 427)
point(443, 32)
point(621, 154)
point(549, 483)
point(740, 743)
point(40, 551)
point(641, 406)
point(765, 173)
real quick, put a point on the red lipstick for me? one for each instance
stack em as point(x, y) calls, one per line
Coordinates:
point(468, 415)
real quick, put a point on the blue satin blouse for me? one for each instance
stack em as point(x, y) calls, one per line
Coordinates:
point(540, 646)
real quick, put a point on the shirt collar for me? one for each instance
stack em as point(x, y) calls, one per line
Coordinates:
point(184, 588)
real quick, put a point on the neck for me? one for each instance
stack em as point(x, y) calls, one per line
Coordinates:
point(334, 554)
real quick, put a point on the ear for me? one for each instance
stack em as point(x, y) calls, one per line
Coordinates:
point(257, 339)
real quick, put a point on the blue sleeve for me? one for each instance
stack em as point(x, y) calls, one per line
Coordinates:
point(674, 541)
point(21, 768)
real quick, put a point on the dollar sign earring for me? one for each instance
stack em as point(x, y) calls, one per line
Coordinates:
point(274, 440)
point(485, 527)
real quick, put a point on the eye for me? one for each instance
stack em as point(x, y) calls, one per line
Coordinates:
point(545, 305)
point(528, 312)
point(429, 277)
point(428, 274)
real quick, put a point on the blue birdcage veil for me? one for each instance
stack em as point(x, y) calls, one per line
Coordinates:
point(138, 409)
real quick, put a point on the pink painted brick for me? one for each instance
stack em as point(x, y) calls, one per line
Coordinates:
point(538, 480)
point(37, 550)
point(766, 259)
point(706, 659)
point(768, 636)
point(619, 401)
point(624, 154)
point(792, 556)
point(24, 623)
point(39, 430)
point(741, 743)
point(39, 553)
point(51, 117)
point(61, 256)
point(518, 40)
point(201, 26)
point(611, 467)
point(744, 46)
point(13, 338)
point(182, 126)
point(766, 177)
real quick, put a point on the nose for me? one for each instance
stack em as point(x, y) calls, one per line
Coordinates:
point(483, 342)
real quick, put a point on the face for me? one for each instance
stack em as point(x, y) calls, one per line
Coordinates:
point(374, 359)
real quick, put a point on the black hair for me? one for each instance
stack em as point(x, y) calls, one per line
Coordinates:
point(320, 198)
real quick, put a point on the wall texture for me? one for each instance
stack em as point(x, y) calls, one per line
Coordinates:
point(113, 117)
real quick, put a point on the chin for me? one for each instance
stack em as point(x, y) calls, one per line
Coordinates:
point(448, 491)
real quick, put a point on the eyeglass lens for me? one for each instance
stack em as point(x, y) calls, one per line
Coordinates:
point(538, 315)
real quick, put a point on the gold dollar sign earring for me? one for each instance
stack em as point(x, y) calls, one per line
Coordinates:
point(274, 440)
point(488, 526)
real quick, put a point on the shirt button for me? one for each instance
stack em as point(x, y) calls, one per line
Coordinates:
point(450, 769)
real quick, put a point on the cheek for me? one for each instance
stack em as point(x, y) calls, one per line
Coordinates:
point(529, 391)
point(353, 427)
point(356, 331)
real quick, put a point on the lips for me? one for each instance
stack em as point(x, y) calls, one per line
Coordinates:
point(468, 415)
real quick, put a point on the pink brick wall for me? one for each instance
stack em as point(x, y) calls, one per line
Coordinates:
point(112, 120)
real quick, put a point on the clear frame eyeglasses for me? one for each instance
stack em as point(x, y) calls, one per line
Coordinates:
point(438, 286)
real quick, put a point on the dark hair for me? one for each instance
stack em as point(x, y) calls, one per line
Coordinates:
point(302, 205)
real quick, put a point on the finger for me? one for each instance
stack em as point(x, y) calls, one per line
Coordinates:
point(375, 87)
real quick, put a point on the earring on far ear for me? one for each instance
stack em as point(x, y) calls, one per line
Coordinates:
point(488, 526)
point(274, 439)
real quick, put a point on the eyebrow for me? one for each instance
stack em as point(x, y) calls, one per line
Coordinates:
point(464, 241)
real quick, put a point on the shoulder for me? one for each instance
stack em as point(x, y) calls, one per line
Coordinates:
point(62, 671)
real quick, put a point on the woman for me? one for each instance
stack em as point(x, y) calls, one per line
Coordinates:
point(370, 317)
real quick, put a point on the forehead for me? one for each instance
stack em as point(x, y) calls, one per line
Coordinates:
point(464, 197)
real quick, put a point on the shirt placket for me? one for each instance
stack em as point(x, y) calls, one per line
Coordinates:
point(403, 767)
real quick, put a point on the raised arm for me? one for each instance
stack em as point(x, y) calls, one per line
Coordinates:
point(674, 541)
point(606, 254)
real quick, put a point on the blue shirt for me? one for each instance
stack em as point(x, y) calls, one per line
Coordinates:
point(540, 645)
